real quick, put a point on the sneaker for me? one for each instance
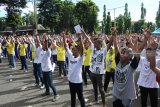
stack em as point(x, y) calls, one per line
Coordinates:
point(42, 86)
point(45, 94)
point(86, 100)
point(35, 85)
point(56, 98)
point(25, 71)
point(21, 69)
point(14, 68)
point(93, 103)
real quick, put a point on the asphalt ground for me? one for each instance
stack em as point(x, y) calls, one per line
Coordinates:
point(17, 90)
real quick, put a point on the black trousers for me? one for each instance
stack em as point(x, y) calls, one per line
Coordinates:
point(85, 70)
point(76, 88)
point(118, 103)
point(97, 81)
point(153, 94)
point(108, 76)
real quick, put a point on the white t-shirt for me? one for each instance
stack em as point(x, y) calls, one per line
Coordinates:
point(54, 52)
point(147, 77)
point(37, 58)
point(75, 67)
point(46, 61)
point(142, 54)
point(98, 60)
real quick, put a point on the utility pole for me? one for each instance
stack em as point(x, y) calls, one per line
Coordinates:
point(114, 9)
point(35, 11)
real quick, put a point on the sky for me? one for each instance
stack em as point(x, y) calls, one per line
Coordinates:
point(134, 6)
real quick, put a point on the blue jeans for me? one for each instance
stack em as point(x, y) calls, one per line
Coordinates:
point(23, 62)
point(12, 60)
point(38, 74)
point(61, 65)
point(48, 82)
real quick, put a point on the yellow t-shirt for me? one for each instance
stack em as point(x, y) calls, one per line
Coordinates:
point(23, 49)
point(110, 61)
point(87, 58)
point(10, 48)
point(33, 52)
point(61, 53)
point(7, 46)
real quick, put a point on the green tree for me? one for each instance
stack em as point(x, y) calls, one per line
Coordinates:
point(143, 12)
point(13, 8)
point(108, 24)
point(2, 23)
point(29, 18)
point(87, 13)
point(151, 26)
point(14, 20)
point(127, 19)
point(68, 19)
point(158, 17)
point(104, 20)
point(120, 23)
point(137, 27)
point(51, 11)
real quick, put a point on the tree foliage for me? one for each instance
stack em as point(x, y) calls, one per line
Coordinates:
point(86, 12)
point(120, 23)
point(127, 19)
point(104, 22)
point(13, 8)
point(14, 20)
point(29, 18)
point(158, 17)
point(68, 19)
point(143, 12)
point(108, 24)
point(51, 11)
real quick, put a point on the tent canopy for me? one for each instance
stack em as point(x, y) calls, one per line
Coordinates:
point(156, 32)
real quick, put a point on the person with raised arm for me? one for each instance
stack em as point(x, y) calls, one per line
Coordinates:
point(147, 79)
point(97, 68)
point(124, 89)
point(37, 69)
point(22, 54)
point(47, 68)
point(87, 59)
point(151, 57)
point(75, 58)
point(61, 57)
point(11, 53)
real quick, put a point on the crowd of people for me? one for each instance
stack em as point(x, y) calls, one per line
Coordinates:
point(132, 61)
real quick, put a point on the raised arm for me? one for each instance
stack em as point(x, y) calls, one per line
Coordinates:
point(87, 37)
point(37, 39)
point(147, 34)
point(30, 41)
point(110, 43)
point(81, 45)
point(115, 41)
point(45, 41)
point(151, 58)
point(64, 41)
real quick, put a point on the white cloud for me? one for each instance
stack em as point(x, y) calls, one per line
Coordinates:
point(28, 8)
